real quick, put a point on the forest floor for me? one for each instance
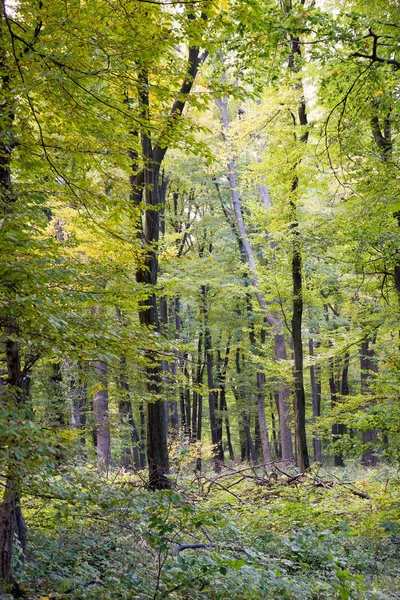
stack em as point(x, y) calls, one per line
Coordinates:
point(237, 534)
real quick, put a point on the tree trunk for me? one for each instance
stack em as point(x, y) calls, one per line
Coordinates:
point(173, 404)
point(208, 357)
point(274, 404)
point(78, 389)
point(101, 415)
point(315, 378)
point(11, 519)
point(337, 428)
point(130, 444)
point(223, 407)
point(7, 520)
point(368, 367)
point(142, 441)
point(58, 397)
point(147, 181)
point(297, 277)
point(265, 447)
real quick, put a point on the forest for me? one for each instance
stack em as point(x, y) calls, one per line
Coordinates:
point(199, 299)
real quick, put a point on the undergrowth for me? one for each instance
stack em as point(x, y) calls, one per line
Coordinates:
point(234, 535)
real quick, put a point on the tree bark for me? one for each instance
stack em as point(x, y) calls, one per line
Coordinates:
point(101, 415)
point(208, 357)
point(147, 180)
point(78, 387)
point(368, 368)
point(130, 444)
point(223, 407)
point(297, 280)
point(315, 379)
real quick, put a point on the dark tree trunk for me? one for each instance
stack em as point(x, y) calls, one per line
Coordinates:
point(368, 367)
point(147, 181)
point(197, 379)
point(223, 407)
point(264, 438)
point(7, 524)
point(275, 430)
point(247, 448)
point(299, 395)
point(212, 397)
point(284, 396)
point(16, 388)
point(337, 428)
point(130, 445)
point(261, 429)
point(78, 388)
point(315, 378)
point(58, 397)
point(11, 519)
point(142, 441)
point(297, 276)
point(101, 415)
point(147, 274)
point(173, 404)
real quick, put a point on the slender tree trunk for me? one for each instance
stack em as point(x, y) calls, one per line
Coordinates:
point(274, 403)
point(217, 443)
point(337, 428)
point(173, 404)
point(284, 396)
point(315, 379)
point(101, 415)
point(58, 397)
point(368, 367)
point(224, 408)
point(297, 278)
point(130, 445)
point(248, 451)
point(78, 389)
point(197, 378)
point(142, 441)
point(265, 447)
point(299, 395)
point(7, 517)
point(261, 429)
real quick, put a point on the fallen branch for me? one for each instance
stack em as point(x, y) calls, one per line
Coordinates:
point(200, 545)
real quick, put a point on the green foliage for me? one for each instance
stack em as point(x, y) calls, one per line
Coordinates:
point(109, 537)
